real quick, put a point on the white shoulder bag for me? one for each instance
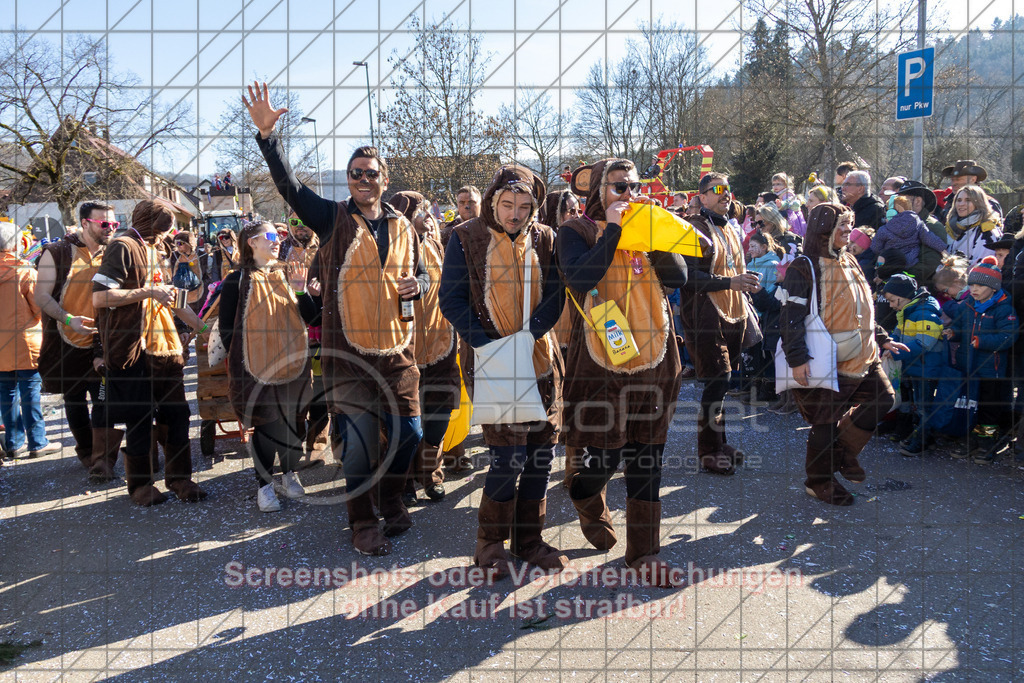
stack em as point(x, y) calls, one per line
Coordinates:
point(504, 381)
point(821, 347)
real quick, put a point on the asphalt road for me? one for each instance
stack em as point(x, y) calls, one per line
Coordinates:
point(922, 579)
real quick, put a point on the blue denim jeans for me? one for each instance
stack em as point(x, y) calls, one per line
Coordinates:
point(21, 410)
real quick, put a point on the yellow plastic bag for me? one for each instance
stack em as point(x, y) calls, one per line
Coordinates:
point(460, 420)
point(646, 227)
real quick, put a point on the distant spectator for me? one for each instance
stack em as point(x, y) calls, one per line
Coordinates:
point(985, 325)
point(842, 170)
point(891, 186)
point(918, 326)
point(771, 222)
point(923, 202)
point(819, 194)
point(867, 208)
point(20, 333)
point(906, 232)
point(860, 247)
point(961, 174)
point(217, 183)
point(228, 183)
point(972, 226)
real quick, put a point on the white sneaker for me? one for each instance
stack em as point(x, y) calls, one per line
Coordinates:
point(291, 487)
point(267, 499)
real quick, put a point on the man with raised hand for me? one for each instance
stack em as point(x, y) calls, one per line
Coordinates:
point(369, 265)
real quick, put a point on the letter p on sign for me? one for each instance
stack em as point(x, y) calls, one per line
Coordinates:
point(915, 68)
point(914, 81)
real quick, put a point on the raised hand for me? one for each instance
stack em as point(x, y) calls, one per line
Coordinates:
point(297, 276)
point(262, 112)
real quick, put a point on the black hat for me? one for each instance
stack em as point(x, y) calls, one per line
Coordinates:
point(901, 285)
point(965, 167)
point(919, 189)
point(1004, 242)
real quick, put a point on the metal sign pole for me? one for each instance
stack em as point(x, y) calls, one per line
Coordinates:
point(918, 172)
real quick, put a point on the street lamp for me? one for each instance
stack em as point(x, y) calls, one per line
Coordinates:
point(316, 151)
point(369, 105)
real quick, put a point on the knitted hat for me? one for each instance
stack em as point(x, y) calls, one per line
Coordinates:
point(901, 285)
point(860, 239)
point(986, 273)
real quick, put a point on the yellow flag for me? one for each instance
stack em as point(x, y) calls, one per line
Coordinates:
point(646, 227)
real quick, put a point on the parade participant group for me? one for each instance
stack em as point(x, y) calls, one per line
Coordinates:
point(397, 311)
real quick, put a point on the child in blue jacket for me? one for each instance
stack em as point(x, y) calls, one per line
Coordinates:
point(919, 327)
point(985, 326)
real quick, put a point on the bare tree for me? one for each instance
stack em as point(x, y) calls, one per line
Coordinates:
point(433, 134)
point(238, 152)
point(51, 104)
point(610, 110)
point(843, 54)
point(536, 128)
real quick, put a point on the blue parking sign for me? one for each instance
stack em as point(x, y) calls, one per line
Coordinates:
point(914, 80)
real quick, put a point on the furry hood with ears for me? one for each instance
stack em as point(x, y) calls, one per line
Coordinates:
point(515, 178)
point(591, 181)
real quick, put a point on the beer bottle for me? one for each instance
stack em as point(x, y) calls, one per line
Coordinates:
point(405, 307)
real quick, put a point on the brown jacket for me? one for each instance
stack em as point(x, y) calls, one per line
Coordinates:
point(20, 329)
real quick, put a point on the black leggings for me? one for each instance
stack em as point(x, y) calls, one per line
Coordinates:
point(529, 464)
point(643, 471)
point(275, 438)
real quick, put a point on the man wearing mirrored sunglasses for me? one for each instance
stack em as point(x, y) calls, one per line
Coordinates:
point(714, 314)
point(368, 267)
point(66, 358)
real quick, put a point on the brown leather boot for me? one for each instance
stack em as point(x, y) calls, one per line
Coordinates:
point(819, 466)
point(366, 536)
point(178, 473)
point(106, 444)
point(138, 471)
point(527, 543)
point(852, 440)
point(595, 520)
point(83, 445)
point(495, 526)
point(430, 474)
point(392, 508)
point(643, 543)
point(710, 445)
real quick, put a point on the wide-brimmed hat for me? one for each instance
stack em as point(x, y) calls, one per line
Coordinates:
point(965, 167)
point(919, 189)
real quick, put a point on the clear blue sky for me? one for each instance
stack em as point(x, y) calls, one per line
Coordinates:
point(309, 45)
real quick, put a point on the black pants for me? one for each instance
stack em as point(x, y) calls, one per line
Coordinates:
point(281, 438)
point(643, 471)
point(138, 394)
point(76, 406)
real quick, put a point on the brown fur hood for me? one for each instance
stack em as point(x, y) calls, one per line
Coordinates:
point(503, 178)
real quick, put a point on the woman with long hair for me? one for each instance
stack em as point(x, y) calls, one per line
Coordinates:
point(972, 225)
point(264, 311)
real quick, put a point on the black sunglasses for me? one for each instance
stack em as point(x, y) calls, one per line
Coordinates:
point(621, 187)
point(357, 173)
